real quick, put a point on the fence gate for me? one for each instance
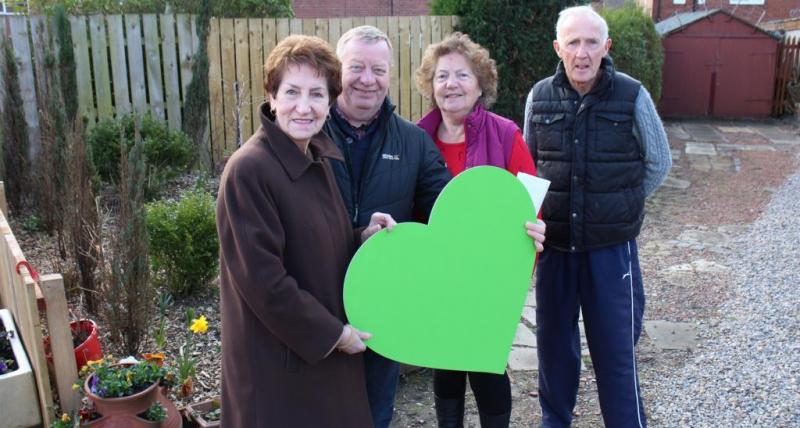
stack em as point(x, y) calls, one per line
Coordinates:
point(787, 77)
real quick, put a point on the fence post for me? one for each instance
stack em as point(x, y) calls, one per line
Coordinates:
point(61, 346)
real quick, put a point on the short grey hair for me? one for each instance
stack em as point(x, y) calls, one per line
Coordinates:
point(584, 11)
point(365, 33)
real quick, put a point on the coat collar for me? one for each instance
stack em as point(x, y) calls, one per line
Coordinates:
point(474, 120)
point(288, 154)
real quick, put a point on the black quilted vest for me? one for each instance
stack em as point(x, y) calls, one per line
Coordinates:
point(585, 146)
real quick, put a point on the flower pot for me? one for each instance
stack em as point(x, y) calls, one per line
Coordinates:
point(87, 350)
point(19, 403)
point(197, 410)
point(121, 412)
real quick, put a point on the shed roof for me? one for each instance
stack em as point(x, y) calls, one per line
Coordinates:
point(681, 20)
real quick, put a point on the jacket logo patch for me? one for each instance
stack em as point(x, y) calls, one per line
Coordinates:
point(390, 157)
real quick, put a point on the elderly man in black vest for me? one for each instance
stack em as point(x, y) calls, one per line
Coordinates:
point(596, 135)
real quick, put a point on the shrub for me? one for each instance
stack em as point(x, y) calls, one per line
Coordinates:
point(16, 166)
point(636, 46)
point(220, 8)
point(519, 35)
point(195, 106)
point(167, 153)
point(129, 296)
point(183, 241)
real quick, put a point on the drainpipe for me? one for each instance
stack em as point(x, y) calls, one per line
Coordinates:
point(658, 11)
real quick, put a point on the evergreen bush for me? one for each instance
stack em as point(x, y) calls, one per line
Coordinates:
point(183, 242)
point(519, 36)
point(167, 153)
point(636, 47)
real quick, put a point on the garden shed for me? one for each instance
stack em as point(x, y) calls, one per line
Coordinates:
point(716, 64)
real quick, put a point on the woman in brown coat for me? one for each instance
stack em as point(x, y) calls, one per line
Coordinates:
point(289, 358)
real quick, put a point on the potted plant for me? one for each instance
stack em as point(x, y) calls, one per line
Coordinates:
point(205, 414)
point(19, 403)
point(127, 395)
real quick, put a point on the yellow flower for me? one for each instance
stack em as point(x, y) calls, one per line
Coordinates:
point(199, 325)
point(75, 386)
point(65, 418)
point(93, 363)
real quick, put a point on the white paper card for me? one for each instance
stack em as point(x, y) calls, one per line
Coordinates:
point(537, 188)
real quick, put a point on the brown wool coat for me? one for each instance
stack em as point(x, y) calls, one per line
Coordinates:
point(285, 242)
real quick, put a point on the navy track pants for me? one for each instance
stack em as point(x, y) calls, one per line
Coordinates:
point(606, 284)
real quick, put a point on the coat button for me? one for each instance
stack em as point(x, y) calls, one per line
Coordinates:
point(576, 141)
point(574, 178)
point(574, 215)
point(547, 121)
point(572, 248)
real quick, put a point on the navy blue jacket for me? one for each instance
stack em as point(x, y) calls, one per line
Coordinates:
point(402, 174)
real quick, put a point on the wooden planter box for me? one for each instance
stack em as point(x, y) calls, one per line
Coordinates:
point(193, 411)
point(19, 403)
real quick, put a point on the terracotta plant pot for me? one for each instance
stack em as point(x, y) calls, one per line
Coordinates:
point(197, 410)
point(121, 412)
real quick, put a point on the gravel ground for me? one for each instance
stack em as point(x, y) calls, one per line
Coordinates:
point(746, 370)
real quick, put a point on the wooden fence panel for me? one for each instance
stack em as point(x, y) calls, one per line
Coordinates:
point(83, 74)
point(169, 60)
point(405, 67)
point(787, 76)
point(227, 46)
point(3, 36)
point(334, 31)
point(136, 64)
point(416, 56)
point(27, 86)
point(155, 82)
point(243, 96)
point(186, 49)
point(254, 28)
point(102, 78)
point(295, 26)
point(394, 36)
point(119, 72)
point(215, 91)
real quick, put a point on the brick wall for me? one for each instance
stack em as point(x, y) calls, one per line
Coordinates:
point(775, 9)
point(345, 8)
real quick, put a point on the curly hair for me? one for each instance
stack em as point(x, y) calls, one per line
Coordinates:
point(303, 50)
point(477, 57)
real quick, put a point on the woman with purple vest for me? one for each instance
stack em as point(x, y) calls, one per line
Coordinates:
point(459, 78)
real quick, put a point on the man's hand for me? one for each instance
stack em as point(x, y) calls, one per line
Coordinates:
point(536, 231)
point(352, 340)
point(377, 222)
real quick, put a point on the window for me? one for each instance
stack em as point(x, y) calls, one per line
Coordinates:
point(678, 1)
point(746, 2)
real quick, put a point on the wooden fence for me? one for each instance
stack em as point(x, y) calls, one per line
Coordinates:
point(23, 295)
point(787, 77)
point(143, 63)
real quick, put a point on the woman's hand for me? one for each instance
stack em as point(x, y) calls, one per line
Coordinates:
point(377, 222)
point(536, 231)
point(352, 340)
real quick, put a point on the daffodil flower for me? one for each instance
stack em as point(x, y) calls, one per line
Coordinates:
point(199, 325)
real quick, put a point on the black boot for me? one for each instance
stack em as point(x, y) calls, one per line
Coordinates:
point(495, 421)
point(450, 412)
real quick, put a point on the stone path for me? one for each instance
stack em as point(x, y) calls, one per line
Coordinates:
point(708, 146)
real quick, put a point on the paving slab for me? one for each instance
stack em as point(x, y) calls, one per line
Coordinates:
point(523, 359)
point(706, 149)
point(524, 337)
point(672, 335)
point(735, 129)
point(703, 132)
point(530, 299)
point(745, 147)
point(676, 183)
point(779, 136)
point(708, 238)
point(529, 314)
point(676, 154)
point(678, 132)
point(696, 266)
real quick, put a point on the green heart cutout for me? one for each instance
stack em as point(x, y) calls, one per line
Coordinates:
point(448, 295)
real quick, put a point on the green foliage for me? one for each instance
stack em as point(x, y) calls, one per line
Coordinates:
point(183, 240)
point(108, 380)
point(32, 224)
point(219, 8)
point(156, 413)
point(16, 166)
point(196, 102)
point(444, 7)
point(160, 333)
point(167, 153)
point(636, 46)
point(519, 35)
